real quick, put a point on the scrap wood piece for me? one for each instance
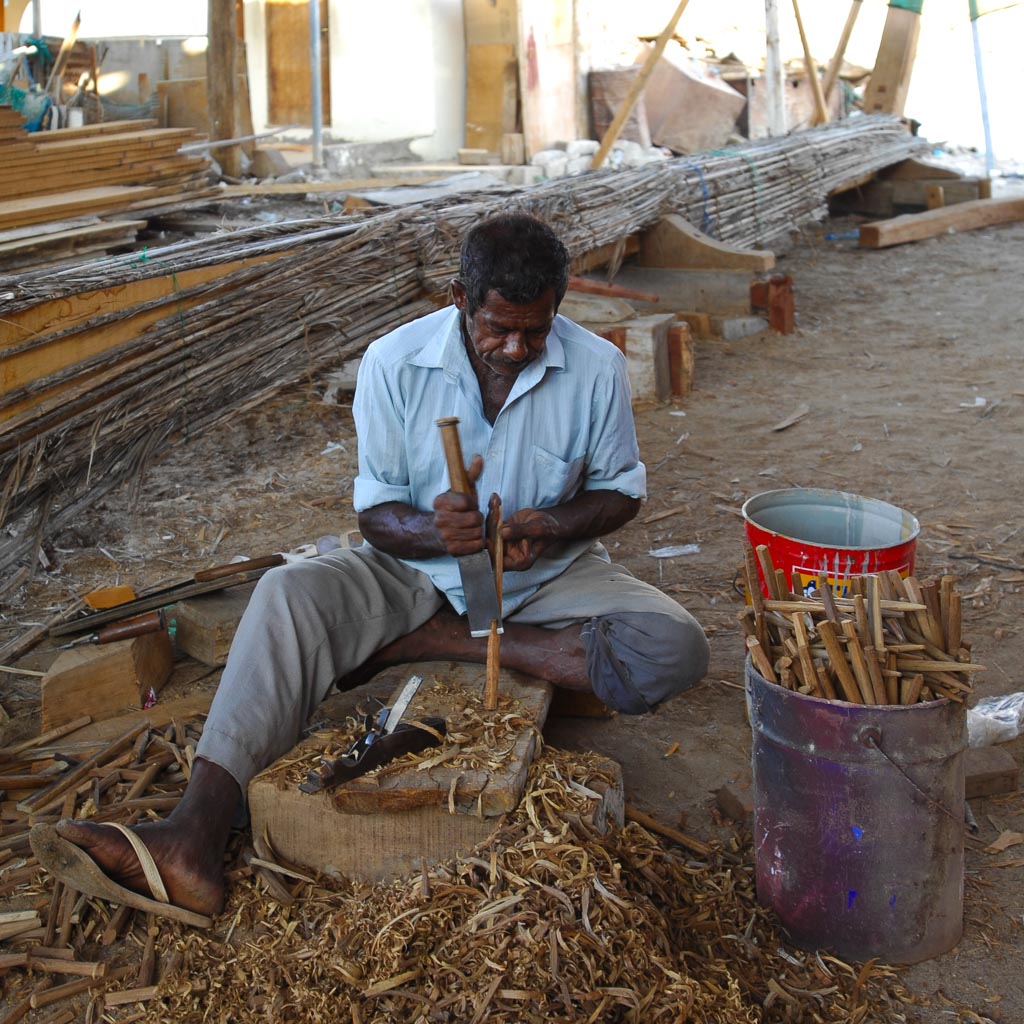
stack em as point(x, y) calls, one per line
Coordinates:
point(912, 227)
point(795, 416)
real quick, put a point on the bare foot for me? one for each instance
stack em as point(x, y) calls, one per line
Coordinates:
point(188, 847)
point(189, 877)
point(556, 655)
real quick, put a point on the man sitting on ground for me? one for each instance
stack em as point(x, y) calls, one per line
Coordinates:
point(546, 404)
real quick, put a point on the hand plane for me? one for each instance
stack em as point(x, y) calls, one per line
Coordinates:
point(385, 737)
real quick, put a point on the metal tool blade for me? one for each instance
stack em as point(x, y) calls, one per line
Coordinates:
point(401, 703)
point(482, 606)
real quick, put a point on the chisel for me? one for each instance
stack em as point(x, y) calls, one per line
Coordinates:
point(478, 583)
point(151, 622)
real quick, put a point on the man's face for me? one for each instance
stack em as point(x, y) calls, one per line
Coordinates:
point(505, 336)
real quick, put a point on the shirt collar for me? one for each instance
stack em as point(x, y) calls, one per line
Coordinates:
point(446, 351)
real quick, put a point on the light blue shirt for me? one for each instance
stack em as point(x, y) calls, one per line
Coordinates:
point(567, 426)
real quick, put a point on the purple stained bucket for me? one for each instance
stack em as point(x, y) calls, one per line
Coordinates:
point(859, 821)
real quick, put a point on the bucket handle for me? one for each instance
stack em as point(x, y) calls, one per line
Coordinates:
point(871, 736)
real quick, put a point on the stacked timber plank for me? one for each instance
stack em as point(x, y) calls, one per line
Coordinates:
point(105, 361)
point(103, 168)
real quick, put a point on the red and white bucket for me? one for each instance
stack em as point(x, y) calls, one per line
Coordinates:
point(809, 531)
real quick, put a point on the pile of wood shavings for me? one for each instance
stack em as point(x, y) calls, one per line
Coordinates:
point(475, 739)
point(546, 921)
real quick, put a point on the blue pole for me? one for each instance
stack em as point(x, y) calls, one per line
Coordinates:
point(989, 158)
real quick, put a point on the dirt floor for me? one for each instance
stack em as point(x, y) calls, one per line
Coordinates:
point(909, 361)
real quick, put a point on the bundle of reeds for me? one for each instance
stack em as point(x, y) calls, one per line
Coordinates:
point(105, 363)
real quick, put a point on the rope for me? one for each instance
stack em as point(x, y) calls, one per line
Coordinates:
point(706, 224)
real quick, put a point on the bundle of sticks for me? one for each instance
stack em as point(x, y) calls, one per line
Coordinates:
point(893, 640)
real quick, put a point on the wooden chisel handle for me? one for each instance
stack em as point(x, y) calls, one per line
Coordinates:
point(453, 455)
point(267, 562)
point(151, 622)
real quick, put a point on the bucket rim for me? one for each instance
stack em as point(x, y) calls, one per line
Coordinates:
point(844, 498)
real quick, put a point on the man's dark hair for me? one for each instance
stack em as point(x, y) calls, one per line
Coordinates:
point(515, 254)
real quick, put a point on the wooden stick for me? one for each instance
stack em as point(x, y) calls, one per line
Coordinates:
point(636, 88)
point(494, 639)
point(875, 675)
point(653, 825)
point(836, 64)
point(910, 689)
point(827, 598)
point(82, 968)
point(825, 682)
point(860, 613)
point(858, 661)
point(953, 638)
point(44, 798)
point(820, 109)
point(771, 581)
point(927, 665)
point(810, 675)
point(7, 753)
point(72, 988)
point(932, 598)
point(875, 610)
point(891, 678)
point(851, 692)
point(752, 579)
point(787, 677)
point(131, 995)
point(808, 604)
point(760, 659)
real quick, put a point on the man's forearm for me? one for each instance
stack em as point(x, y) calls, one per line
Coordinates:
point(401, 530)
point(591, 514)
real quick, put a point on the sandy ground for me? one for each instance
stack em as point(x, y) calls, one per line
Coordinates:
point(909, 361)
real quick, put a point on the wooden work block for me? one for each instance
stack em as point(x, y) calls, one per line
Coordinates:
point(680, 359)
point(989, 771)
point(647, 355)
point(380, 825)
point(106, 680)
point(206, 624)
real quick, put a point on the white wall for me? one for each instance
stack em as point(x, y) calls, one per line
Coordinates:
point(397, 72)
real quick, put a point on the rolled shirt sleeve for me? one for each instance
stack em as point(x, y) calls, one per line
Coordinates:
point(383, 459)
point(615, 455)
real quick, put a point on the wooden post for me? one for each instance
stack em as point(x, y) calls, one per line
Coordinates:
point(820, 110)
point(622, 114)
point(774, 72)
point(221, 81)
point(832, 74)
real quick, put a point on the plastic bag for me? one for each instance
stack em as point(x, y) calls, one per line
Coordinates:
point(995, 720)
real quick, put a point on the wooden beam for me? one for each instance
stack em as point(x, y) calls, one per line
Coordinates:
point(886, 91)
point(676, 243)
point(637, 87)
point(221, 78)
point(912, 227)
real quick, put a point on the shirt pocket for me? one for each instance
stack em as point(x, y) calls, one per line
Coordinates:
point(556, 480)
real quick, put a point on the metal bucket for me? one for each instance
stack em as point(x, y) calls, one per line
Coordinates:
point(808, 530)
point(859, 821)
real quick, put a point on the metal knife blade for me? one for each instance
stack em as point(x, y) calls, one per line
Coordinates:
point(401, 704)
